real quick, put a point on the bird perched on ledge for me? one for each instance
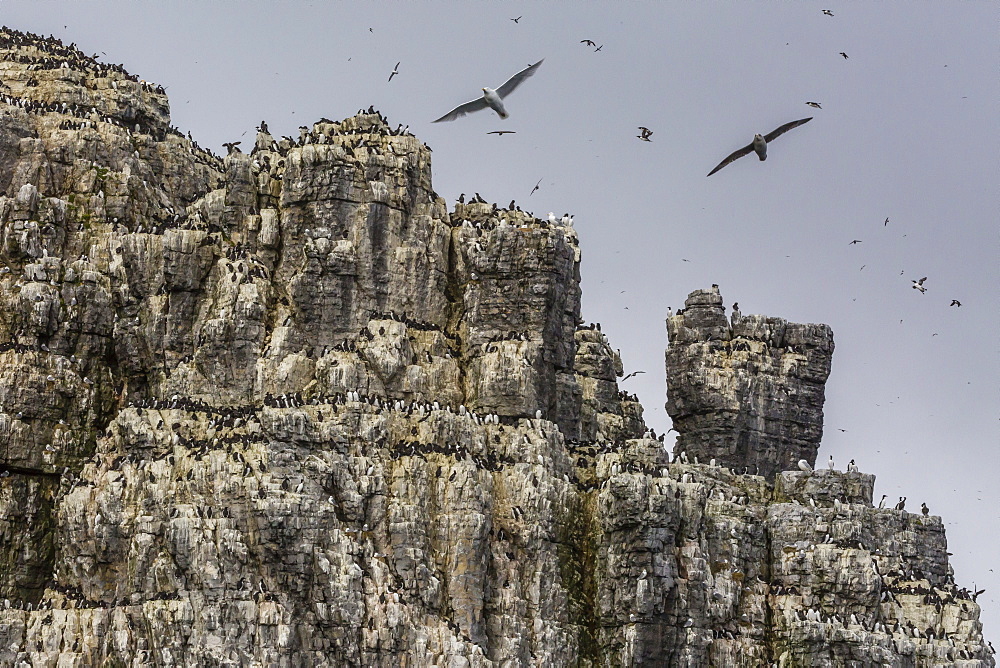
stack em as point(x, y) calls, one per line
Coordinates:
point(759, 144)
point(492, 98)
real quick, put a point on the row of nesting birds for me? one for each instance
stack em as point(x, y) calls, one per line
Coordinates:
point(61, 55)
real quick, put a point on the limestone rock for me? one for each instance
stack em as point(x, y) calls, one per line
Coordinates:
point(284, 408)
point(750, 392)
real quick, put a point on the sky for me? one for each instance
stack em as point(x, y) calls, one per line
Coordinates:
point(908, 131)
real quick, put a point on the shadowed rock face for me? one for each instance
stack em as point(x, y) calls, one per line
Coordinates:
point(747, 392)
point(282, 409)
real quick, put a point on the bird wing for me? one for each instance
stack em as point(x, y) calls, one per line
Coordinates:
point(508, 86)
point(733, 156)
point(774, 134)
point(463, 109)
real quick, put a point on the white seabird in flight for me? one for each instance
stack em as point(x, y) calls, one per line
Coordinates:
point(759, 144)
point(492, 98)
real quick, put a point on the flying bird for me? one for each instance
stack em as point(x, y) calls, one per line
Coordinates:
point(535, 188)
point(919, 285)
point(644, 138)
point(492, 98)
point(634, 373)
point(598, 48)
point(844, 55)
point(395, 71)
point(646, 133)
point(955, 302)
point(588, 42)
point(828, 12)
point(856, 241)
point(886, 222)
point(759, 144)
point(814, 104)
point(231, 147)
point(517, 19)
point(502, 132)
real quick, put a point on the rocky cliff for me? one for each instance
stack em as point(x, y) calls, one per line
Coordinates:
point(286, 408)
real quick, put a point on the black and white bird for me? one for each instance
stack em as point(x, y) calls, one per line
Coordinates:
point(955, 302)
point(395, 71)
point(919, 285)
point(492, 98)
point(814, 104)
point(759, 144)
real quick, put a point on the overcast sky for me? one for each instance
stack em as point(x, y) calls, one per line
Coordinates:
point(908, 130)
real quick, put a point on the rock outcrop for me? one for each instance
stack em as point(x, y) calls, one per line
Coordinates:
point(747, 392)
point(285, 408)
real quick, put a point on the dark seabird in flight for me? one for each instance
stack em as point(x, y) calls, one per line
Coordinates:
point(231, 147)
point(856, 241)
point(828, 12)
point(814, 104)
point(646, 133)
point(634, 373)
point(395, 71)
point(588, 42)
point(759, 144)
point(502, 132)
point(517, 19)
point(491, 98)
point(919, 285)
point(955, 302)
point(535, 188)
point(844, 55)
point(598, 48)
point(886, 222)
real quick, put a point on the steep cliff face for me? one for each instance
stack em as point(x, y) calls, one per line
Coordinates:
point(284, 408)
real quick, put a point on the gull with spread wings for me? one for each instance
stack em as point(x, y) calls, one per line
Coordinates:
point(491, 98)
point(759, 144)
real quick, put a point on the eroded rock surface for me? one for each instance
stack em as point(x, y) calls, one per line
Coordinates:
point(284, 408)
point(747, 392)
